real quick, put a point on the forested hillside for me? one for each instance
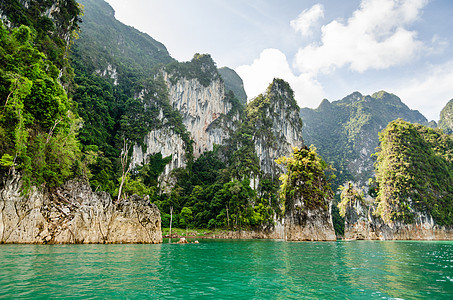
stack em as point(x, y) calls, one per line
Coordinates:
point(102, 101)
point(345, 132)
point(127, 89)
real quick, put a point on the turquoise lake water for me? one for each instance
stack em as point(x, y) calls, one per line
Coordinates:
point(236, 269)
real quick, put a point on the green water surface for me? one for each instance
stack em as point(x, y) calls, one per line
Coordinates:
point(230, 269)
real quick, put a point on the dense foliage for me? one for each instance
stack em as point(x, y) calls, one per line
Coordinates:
point(37, 126)
point(414, 172)
point(201, 67)
point(52, 27)
point(120, 96)
point(307, 180)
point(349, 195)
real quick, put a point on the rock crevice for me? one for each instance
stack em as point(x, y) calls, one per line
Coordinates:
point(74, 214)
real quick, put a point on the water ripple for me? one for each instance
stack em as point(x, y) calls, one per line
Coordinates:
point(258, 269)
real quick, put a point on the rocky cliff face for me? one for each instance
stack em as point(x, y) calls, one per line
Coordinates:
point(205, 109)
point(362, 224)
point(278, 127)
point(413, 187)
point(166, 141)
point(309, 224)
point(200, 106)
point(74, 214)
point(446, 118)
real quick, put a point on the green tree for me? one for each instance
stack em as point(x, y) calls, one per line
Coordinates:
point(307, 179)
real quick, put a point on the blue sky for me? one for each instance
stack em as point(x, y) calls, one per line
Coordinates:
point(324, 49)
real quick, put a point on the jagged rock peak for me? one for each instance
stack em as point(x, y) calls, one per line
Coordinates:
point(281, 88)
point(446, 118)
point(278, 127)
point(324, 104)
point(354, 97)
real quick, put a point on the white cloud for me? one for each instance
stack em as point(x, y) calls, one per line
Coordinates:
point(271, 64)
point(307, 19)
point(374, 37)
point(430, 92)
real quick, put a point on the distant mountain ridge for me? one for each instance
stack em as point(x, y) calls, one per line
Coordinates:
point(346, 131)
point(234, 83)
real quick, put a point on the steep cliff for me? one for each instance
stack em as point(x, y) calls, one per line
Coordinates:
point(277, 127)
point(446, 118)
point(361, 223)
point(414, 185)
point(307, 197)
point(345, 132)
point(197, 92)
point(73, 213)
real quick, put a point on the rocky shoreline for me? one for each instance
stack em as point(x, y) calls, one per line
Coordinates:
point(74, 214)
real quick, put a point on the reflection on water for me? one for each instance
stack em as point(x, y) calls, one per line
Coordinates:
point(230, 268)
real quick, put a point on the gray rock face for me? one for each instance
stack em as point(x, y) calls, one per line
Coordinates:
point(200, 107)
point(204, 112)
point(279, 130)
point(309, 224)
point(362, 224)
point(167, 142)
point(74, 214)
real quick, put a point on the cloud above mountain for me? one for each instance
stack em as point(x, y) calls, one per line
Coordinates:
point(376, 36)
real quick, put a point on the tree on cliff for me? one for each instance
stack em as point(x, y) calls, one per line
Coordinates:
point(38, 128)
point(307, 179)
point(349, 194)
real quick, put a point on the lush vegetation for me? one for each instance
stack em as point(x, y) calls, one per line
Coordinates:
point(50, 32)
point(414, 172)
point(226, 187)
point(201, 67)
point(349, 195)
point(38, 126)
point(307, 180)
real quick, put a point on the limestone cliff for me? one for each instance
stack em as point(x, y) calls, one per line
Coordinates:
point(413, 187)
point(166, 141)
point(197, 92)
point(361, 223)
point(277, 125)
point(307, 197)
point(309, 225)
point(74, 214)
